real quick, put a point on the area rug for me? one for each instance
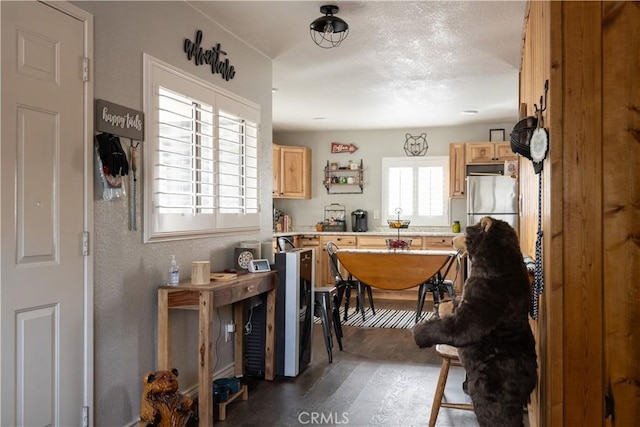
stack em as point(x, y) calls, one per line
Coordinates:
point(384, 318)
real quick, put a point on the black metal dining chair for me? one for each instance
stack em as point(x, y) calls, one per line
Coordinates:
point(326, 306)
point(346, 285)
point(438, 285)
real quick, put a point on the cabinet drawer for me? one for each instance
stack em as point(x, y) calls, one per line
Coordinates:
point(344, 241)
point(371, 242)
point(375, 242)
point(437, 242)
point(308, 240)
point(241, 291)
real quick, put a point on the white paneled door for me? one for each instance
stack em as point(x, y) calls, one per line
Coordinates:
point(42, 285)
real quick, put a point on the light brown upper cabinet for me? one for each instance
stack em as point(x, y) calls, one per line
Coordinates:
point(456, 171)
point(291, 172)
point(488, 152)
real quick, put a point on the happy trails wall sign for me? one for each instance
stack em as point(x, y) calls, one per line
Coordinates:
point(119, 120)
point(212, 57)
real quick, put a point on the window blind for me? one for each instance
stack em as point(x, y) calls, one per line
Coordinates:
point(204, 155)
point(417, 186)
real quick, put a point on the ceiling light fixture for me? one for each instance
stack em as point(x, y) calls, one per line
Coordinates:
point(328, 31)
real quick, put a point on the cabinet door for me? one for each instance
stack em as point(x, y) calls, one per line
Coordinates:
point(312, 241)
point(325, 264)
point(503, 151)
point(480, 152)
point(343, 242)
point(276, 170)
point(456, 171)
point(295, 172)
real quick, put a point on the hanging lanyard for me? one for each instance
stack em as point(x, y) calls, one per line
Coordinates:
point(134, 195)
point(538, 274)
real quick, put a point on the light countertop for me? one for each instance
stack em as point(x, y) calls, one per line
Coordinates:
point(411, 231)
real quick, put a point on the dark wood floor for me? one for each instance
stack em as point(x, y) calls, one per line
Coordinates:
point(380, 379)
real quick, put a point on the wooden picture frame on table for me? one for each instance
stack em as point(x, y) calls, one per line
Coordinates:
point(496, 135)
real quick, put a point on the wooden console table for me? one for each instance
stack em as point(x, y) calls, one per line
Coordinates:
point(205, 298)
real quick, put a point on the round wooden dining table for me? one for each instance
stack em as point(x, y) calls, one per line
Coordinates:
point(394, 269)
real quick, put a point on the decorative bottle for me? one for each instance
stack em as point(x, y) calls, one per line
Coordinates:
point(455, 227)
point(174, 272)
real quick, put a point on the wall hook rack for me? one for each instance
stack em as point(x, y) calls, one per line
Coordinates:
point(543, 105)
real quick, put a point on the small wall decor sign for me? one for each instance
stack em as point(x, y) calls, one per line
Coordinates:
point(118, 120)
point(416, 145)
point(510, 167)
point(337, 147)
point(212, 57)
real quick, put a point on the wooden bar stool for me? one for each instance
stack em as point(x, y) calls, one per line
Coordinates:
point(449, 355)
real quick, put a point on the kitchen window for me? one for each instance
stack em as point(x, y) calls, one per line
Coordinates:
point(418, 186)
point(201, 160)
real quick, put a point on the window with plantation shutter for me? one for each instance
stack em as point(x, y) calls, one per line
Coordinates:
point(237, 164)
point(201, 157)
point(417, 186)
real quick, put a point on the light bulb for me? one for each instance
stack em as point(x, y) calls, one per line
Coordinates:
point(328, 28)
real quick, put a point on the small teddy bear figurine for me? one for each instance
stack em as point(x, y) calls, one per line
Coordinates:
point(162, 405)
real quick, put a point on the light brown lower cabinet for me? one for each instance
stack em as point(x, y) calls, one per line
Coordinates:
point(324, 266)
point(312, 241)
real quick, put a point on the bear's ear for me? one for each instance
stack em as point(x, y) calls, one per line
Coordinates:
point(150, 378)
point(460, 243)
point(174, 371)
point(486, 223)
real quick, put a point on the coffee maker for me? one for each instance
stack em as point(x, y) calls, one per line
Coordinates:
point(359, 221)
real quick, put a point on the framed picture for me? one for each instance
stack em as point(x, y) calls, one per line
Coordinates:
point(510, 167)
point(496, 135)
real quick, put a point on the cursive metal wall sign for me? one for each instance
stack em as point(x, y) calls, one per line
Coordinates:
point(212, 57)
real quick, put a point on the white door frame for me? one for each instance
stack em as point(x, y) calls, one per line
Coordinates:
point(88, 196)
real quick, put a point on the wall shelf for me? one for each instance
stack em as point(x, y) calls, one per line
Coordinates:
point(344, 180)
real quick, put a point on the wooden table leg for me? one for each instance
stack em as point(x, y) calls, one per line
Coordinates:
point(205, 392)
point(164, 332)
point(238, 316)
point(270, 341)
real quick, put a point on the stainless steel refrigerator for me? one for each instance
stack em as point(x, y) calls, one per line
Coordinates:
point(492, 195)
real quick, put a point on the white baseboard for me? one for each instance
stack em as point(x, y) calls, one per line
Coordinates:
point(225, 372)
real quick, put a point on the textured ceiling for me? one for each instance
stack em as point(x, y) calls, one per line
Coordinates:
point(405, 64)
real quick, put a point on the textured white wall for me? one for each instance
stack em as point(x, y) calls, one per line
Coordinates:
point(128, 272)
point(372, 147)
